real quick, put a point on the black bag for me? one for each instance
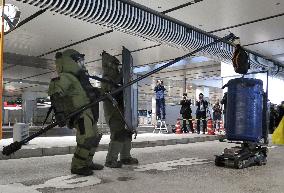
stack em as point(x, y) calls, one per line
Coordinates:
point(240, 60)
point(182, 110)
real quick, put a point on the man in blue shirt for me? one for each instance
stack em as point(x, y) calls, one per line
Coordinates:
point(160, 100)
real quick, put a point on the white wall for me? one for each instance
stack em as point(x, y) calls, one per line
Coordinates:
point(275, 85)
point(275, 88)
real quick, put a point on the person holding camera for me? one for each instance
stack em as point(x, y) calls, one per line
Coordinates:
point(160, 100)
point(185, 111)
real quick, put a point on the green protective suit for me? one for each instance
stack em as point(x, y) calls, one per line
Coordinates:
point(71, 96)
point(120, 139)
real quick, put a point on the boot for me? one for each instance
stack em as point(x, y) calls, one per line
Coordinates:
point(113, 164)
point(129, 161)
point(94, 166)
point(125, 156)
point(79, 163)
point(85, 171)
point(91, 164)
point(112, 156)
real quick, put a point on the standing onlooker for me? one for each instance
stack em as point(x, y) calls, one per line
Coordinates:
point(272, 118)
point(224, 102)
point(217, 114)
point(202, 106)
point(185, 111)
point(160, 99)
point(280, 110)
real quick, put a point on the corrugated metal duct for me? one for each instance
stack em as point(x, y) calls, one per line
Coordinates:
point(135, 19)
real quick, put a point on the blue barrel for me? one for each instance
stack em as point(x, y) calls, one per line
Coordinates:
point(244, 110)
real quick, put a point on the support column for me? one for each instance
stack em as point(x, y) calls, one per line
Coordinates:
point(28, 105)
point(154, 116)
point(101, 119)
point(2, 4)
point(184, 85)
point(206, 92)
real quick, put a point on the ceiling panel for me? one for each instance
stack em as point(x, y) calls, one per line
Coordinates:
point(220, 14)
point(161, 5)
point(156, 55)
point(259, 32)
point(112, 43)
point(48, 32)
point(215, 14)
point(272, 49)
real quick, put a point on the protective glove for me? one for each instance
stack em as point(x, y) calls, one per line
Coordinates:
point(60, 117)
point(131, 132)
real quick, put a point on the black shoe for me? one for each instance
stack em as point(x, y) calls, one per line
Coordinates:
point(94, 166)
point(185, 130)
point(129, 161)
point(113, 164)
point(85, 171)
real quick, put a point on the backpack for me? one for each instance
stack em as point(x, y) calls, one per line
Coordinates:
point(240, 60)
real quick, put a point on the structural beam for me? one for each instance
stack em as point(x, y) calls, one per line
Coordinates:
point(1, 65)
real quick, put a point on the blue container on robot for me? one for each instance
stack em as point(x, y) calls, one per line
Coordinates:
point(244, 110)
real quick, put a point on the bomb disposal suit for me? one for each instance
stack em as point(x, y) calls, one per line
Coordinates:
point(70, 91)
point(120, 142)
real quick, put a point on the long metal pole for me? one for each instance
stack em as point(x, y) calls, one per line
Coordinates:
point(13, 147)
point(1, 66)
